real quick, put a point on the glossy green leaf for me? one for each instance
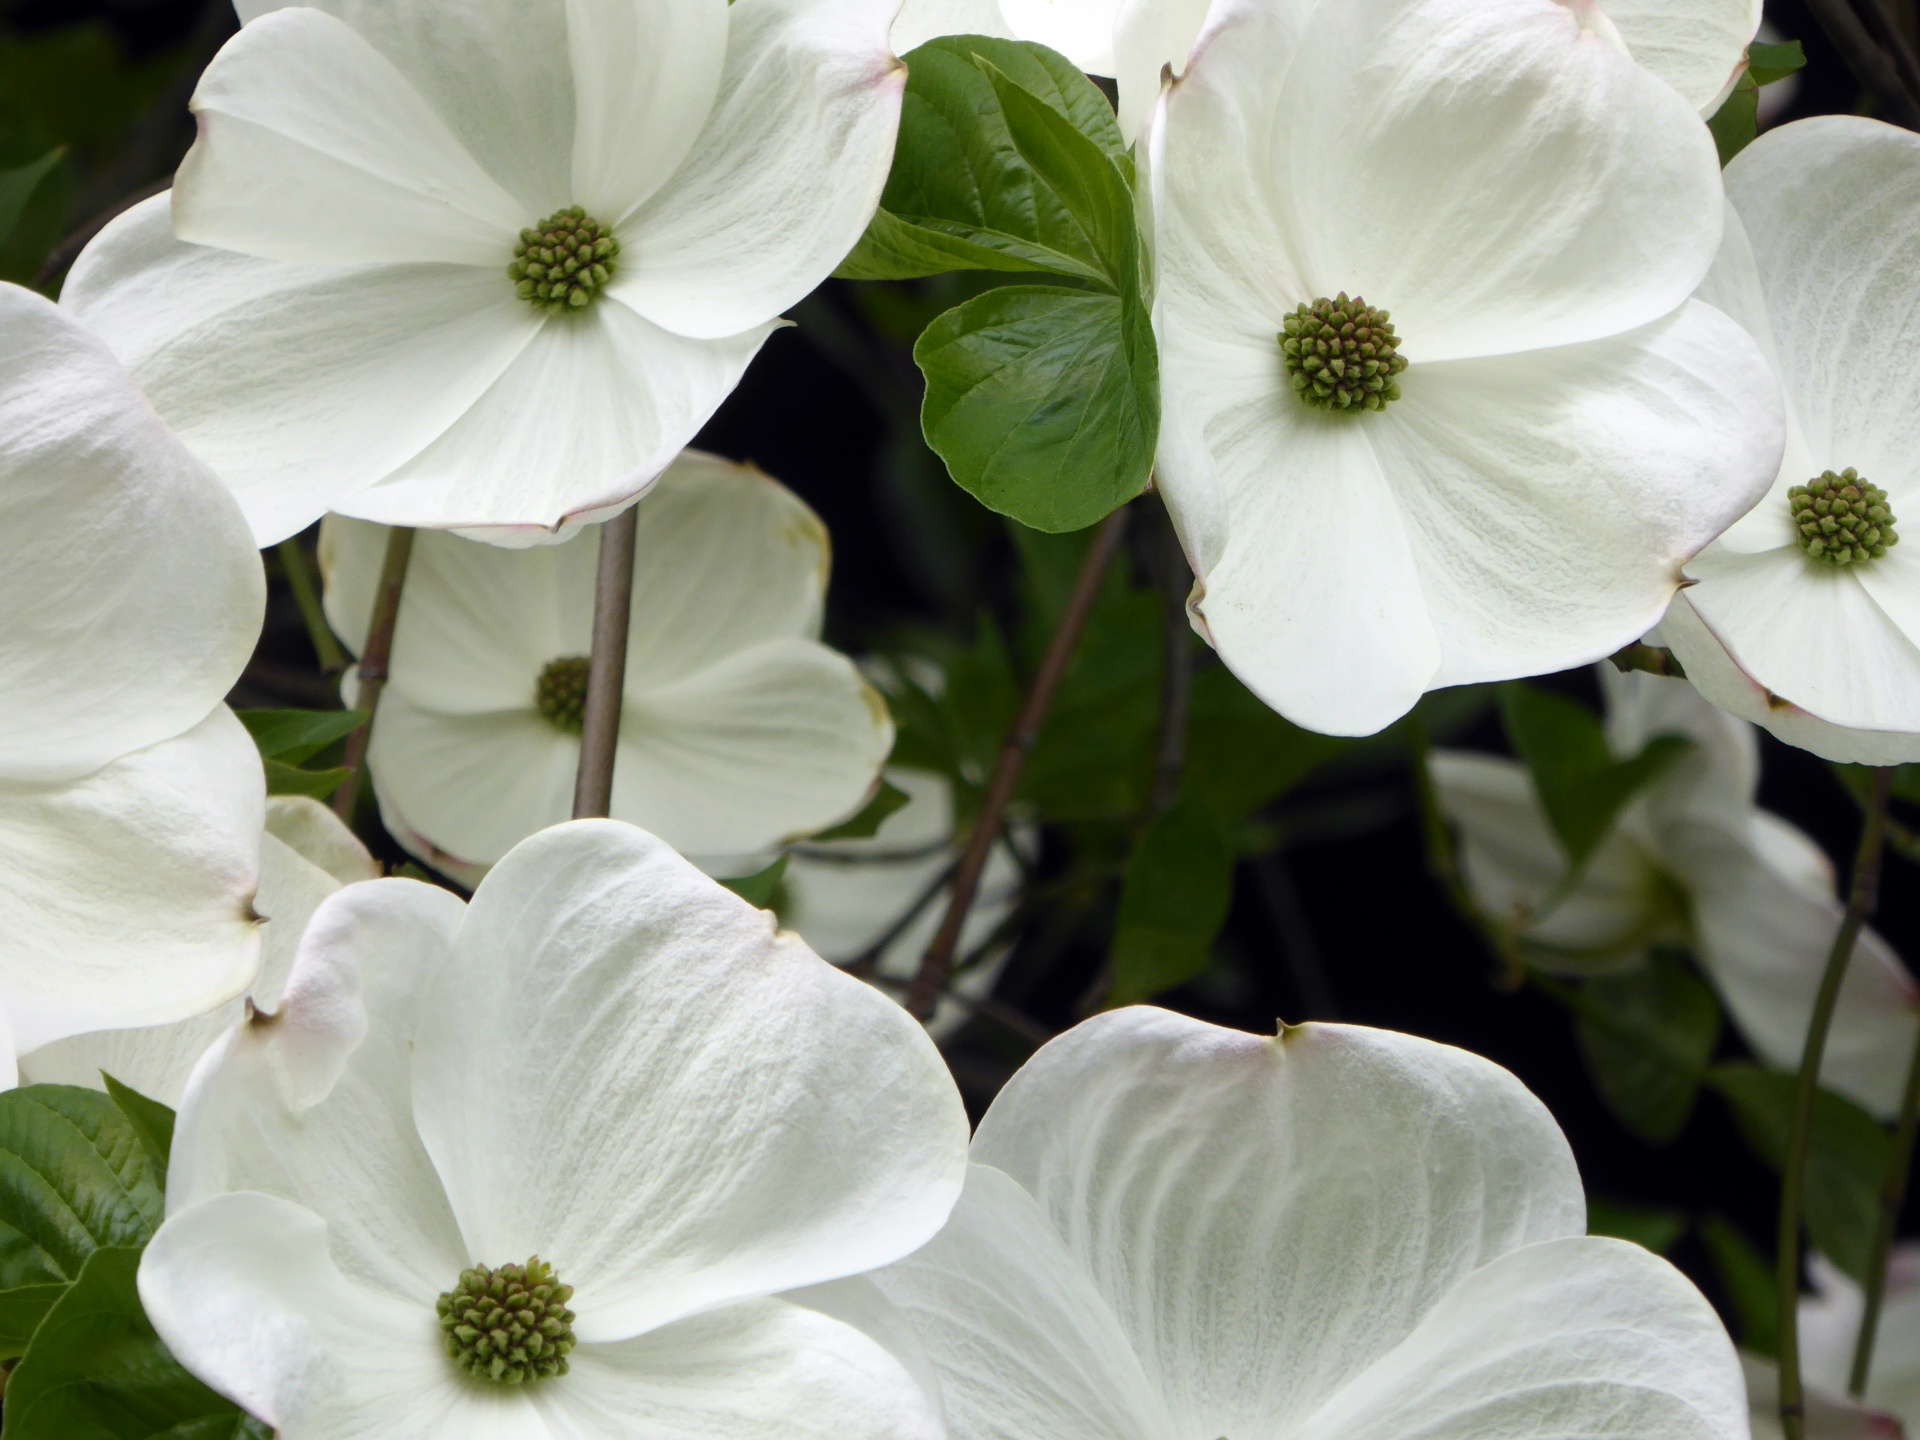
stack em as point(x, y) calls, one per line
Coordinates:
point(97, 1371)
point(887, 800)
point(761, 887)
point(1043, 402)
point(1647, 1036)
point(1747, 1279)
point(1768, 63)
point(19, 184)
point(1173, 901)
point(1094, 757)
point(1582, 787)
point(1655, 1227)
point(151, 1121)
point(1847, 1156)
point(1736, 124)
point(296, 736)
point(75, 1175)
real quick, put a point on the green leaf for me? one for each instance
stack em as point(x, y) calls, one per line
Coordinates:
point(1768, 63)
point(1748, 1280)
point(296, 736)
point(886, 801)
point(963, 192)
point(1737, 122)
point(19, 184)
point(1044, 403)
point(1581, 786)
point(761, 887)
point(284, 779)
point(151, 1121)
point(97, 1371)
point(75, 1175)
point(1654, 1227)
point(1173, 901)
point(1094, 757)
point(1647, 1036)
point(1242, 756)
point(1847, 1156)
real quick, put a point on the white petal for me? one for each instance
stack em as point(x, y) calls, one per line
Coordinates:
point(1081, 30)
point(626, 1072)
point(132, 593)
point(313, 147)
point(245, 1294)
point(1765, 910)
point(1495, 175)
point(1589, 1337)
point(646, 76)
point(1830, 1320)
point(581, 422)
point(785, 176)
point(924, 20)
point(125, 897)
point(157, 1059)
point(1715, 674)
point(317, 836)
point(497, 72)
point(298, 384)
point(1832, 208)
point(1148, 36)
point(1827, 1418)
point(1267, 493)
point(1717, 777)
point(311, 1102)
point(1551, 498)
point(763, 1368)
point(1022, 1340)
point(1698, 47)
point(771, 743)
point(1268, 1215)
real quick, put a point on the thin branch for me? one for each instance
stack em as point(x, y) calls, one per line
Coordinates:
point(1869, 63)
point(924, 993)
point(293, 560)
point(867, 963)
point(1860, 902)
point(606, 667)
point(1893, 1196)
point(373, 665)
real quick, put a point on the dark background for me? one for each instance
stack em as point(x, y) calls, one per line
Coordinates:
point(1343, 923)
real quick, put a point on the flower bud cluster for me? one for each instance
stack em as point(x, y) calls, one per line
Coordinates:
point(1842, 519)
point(510, 1325)
point(1342, 355)
point(562, 261)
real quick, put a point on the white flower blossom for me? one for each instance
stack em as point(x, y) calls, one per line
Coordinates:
point(1173, 1231)
point(1830, 1325)
point(739, 729)
point(324, 308)
point(1691, 862)
point(1816, 641)
point(130, 798)
point(1697, 46)
point(1829, 1415)
point(305, 855)
point(606, 1064)
point(1502, 474)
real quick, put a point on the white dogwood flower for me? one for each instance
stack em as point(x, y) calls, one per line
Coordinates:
point(1830, 1324)
point(305, 855)
point(606, 1089)
point(1830, 1416)
point(130, 797)
point(1691, 862)
point(1806, 617)
point(1697, 46)
point(739, 729)
point(1438, 406)
point(1173, 1230)
point(489, 265)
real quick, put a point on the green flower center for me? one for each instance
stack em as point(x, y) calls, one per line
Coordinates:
point(561, 692)
point(1342, 355)
point(1842, 519)
point(509, 1325)
point(560, 263)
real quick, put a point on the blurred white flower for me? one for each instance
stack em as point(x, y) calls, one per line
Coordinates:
point(845, 897)
point(1806, 617)
point(1830, 1325)
point(305, 855)
point(1692, 861)
point(130, 798)
point(606, 1062)
point(1829, 1417)
point(1697, 46)
point(1173, 1231)
point(1506, 476)
point(739, 730)
point(329, 318)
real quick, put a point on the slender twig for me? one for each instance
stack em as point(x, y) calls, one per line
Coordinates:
point(1650, 658)
point(1176, 670)
point(606, 667)
point(1860, 902)
point(373, 665)
point(1893, 1196)
point(1297, 944)
point(867, 963)
point(293, 560)
point(1869, 63)
point(934, 965)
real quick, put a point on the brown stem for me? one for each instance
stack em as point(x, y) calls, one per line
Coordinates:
point(373, 665)
point(1869, 63)
point(606, 667)
point(1860, 902)
point(1893, 1196)
point(937, 963)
